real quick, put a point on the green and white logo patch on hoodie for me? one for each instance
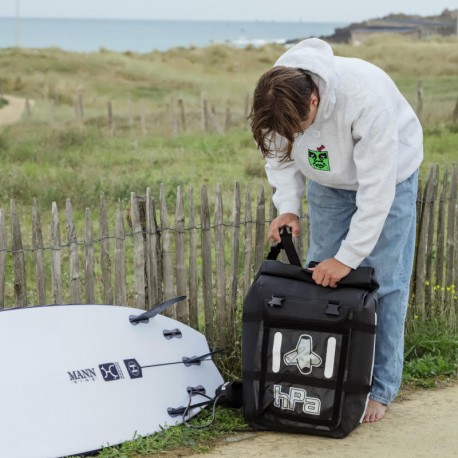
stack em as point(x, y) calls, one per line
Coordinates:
point(319, 159)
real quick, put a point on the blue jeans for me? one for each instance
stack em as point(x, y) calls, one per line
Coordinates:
point(330, 212)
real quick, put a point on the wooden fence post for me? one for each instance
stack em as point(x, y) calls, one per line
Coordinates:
point(180, 269)
point(440, 239)
point(139, 254)
point(111, 121)
point(430, 240)
point(232, 309)
point(221, 323)
point(56, 267)
point(20, 284)
point(260, 229)
point(153, 254)
point(248, 236)
point(89, 280)
point(120, 294)
point(75, 282)
point(413, 279)
point(419, 107)
point(105, 260)
point(3, 249)
point(449, 261)
point(80, 102)
point(182, 115)
point(169, 290)
point(38, 250)
point(206, 250)
point(193, 276)
point(421, 245)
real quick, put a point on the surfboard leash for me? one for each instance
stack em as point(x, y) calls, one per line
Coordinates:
point(229, 394)
point(213, 401)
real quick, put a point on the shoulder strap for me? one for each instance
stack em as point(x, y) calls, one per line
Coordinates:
point(287, 245)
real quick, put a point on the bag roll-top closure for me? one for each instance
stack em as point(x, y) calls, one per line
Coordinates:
point(360, 278)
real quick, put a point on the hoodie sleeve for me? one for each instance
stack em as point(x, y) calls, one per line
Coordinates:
point(374, 154)
point(289, 184)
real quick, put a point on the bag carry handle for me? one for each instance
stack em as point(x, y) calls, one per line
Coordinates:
point(287, 245)
point(362, 277)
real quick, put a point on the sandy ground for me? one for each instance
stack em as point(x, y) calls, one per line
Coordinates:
point(12, 112)
point(423, 424)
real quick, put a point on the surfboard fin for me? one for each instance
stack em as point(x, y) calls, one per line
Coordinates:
point(196, 360)
point(180, 411)
point(172, 334)
point(144, 317)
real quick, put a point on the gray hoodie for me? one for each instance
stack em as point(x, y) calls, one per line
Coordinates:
point(365, 138)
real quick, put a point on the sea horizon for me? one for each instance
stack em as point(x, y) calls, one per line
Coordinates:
point(146, 35)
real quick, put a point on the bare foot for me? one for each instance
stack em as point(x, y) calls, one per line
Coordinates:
point(375, 411)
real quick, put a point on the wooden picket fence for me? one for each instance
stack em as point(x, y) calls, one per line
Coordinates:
point(209, 253)
point(175, 116)
point(435, 279)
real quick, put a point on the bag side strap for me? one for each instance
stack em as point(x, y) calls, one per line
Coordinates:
point(287, 245)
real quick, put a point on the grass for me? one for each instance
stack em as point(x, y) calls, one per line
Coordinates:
point(67, 162)
point(53, 165)
point(182, 438)
point(431, 355)
point(54, 161)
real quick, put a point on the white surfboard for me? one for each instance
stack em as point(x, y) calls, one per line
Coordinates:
point(76, 378)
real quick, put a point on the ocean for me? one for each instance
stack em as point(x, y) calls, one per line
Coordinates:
point(86, 35)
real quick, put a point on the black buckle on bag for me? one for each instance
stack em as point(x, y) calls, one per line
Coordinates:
point(333, 308)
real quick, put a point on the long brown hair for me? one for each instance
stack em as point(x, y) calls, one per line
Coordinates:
point(280, 105)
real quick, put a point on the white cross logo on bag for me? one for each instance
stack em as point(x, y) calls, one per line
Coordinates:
point(303, 356)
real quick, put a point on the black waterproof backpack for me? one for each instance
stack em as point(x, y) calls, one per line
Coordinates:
point(308, 351)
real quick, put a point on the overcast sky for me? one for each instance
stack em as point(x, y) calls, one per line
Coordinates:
point(262, 10)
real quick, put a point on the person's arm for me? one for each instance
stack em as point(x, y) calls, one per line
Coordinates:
point(289, 184)
point(375, 156)
point(375, 159)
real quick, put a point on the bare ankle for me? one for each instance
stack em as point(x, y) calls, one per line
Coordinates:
point(375, 411)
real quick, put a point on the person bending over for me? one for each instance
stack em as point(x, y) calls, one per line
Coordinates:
point(343, 124)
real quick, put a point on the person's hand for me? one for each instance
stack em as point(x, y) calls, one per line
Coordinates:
point(329, 272)
point(288, 219)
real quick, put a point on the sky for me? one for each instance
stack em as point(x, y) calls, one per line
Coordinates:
point(227, 10)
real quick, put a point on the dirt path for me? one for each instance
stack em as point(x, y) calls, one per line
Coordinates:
point(423, 424)
point(12, 112)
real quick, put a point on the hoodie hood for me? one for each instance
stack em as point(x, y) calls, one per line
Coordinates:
point(316, 57)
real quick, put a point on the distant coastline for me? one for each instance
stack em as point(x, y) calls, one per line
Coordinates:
point(413, 26)
point(88, 35)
